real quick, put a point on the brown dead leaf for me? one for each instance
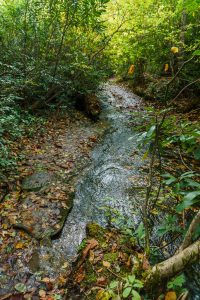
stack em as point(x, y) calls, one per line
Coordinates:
point(102, 281)
point(100, 270)
point(171, 296)
point(145, 264)
point(128, 263)
point(61, 281)
point(93, 139)
point(91, 256)
point(80, 275)
point(19, 245)
point(91, 244)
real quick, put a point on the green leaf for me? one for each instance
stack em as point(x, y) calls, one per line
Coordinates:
point(192, 195)
point(136, 296)
point(131, 278)
point(138, 285)
point(140, 231)
point(192, 183)
point(169, 178)
point(188, 200)
point(197, 52)
point(20, 287)
point(197, 153)
point(176, 282)
point(126, 292)
point(151, 131)
point(113, 284)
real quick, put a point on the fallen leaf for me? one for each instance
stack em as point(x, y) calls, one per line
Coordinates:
point(46, 280)
point(66, 265)
point(91, 256)
point(102, 281)
point(4, 226)
point(42, 293)
point(106, 264)
point(145, 264)
point(93, 138)
point(174, 50)
point(19, 245)
point(80, 275)
point(170, 296)
point(131, 69)
point(91, 244)
point(102, 295)
point(99, 270)
point(166, 67)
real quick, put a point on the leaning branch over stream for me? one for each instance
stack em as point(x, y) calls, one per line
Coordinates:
point(174, 264)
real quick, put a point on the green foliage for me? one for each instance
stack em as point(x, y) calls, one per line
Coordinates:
point(49, 51)
point(185, 187)
point(148, 32)
point(130, 288)
point(14, 123)
point(176, 284)
point(169, 225)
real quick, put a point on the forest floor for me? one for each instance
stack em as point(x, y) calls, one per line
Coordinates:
point(40, 195)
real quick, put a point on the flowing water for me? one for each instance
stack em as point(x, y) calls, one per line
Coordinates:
point(114, 171)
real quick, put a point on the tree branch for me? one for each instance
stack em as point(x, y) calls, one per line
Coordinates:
point(188, 237)
point(174, 265)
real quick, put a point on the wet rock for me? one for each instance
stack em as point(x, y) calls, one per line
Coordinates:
point(34, 262)
point(37, 181)
point(90, 104)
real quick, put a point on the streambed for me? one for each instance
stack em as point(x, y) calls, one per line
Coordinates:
point(115, 170)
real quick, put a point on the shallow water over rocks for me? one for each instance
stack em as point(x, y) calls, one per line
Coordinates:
point(105, 188)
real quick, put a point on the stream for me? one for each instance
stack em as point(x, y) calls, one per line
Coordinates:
point(104, 190)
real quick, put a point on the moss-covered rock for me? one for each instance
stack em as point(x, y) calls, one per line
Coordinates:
point(96, 231)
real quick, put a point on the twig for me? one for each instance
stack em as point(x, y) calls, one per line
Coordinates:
point(187, 86)
point(181, 157)
point(115, 274)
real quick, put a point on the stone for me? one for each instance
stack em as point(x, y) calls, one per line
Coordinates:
point(37, 181)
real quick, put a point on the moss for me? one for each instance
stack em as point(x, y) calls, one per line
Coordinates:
point(96, 231)
point(111, 257)
point(90, 274)
point(90, 278)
